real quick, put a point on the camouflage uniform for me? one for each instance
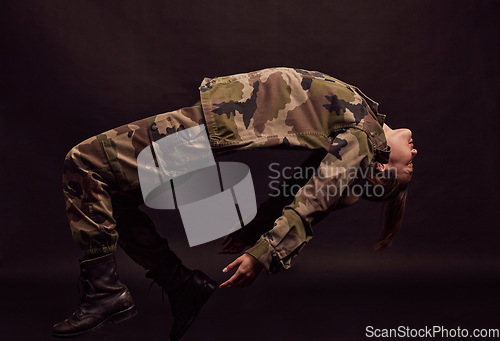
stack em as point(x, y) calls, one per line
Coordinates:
point(276, 107)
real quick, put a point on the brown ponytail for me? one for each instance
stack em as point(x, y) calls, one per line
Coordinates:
point(394, 196)
point(393, 217)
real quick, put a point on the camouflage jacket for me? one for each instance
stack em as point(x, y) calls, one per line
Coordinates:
point(296, 108)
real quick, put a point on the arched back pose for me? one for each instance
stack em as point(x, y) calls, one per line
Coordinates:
point(270, 108)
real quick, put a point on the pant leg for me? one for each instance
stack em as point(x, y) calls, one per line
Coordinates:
point(87, 181)
point(138, 235)
point(103, 166)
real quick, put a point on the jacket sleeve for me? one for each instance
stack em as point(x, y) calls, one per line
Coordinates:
point(350, 150)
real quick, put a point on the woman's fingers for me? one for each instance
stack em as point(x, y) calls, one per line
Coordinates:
point(226, 239)
point(234, 278)
point(227, 244)
point(248, 269)
point(232, 244)
point(230, 282)
point(233, 265)
point(231, 249)
point(238, 280)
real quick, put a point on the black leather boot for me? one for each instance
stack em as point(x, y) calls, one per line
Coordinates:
point(104, 299)
point(187, 291)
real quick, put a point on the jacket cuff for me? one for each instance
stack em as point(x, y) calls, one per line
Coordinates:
point(262, 251)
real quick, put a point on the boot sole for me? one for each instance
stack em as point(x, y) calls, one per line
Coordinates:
point(207, 292)
point(118, 317)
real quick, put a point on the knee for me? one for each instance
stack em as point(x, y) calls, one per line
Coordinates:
point(70, 161)
point(82, 156)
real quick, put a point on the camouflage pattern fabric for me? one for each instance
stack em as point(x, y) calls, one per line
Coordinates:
point(323, 192)
point(276, 107)
point(283, 107)
point(99, 169)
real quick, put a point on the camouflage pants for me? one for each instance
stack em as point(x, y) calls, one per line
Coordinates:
point(101, 184)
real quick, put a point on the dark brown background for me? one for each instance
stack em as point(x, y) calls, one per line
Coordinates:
point(72, 69)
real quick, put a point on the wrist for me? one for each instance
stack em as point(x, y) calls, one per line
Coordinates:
point(261, 253)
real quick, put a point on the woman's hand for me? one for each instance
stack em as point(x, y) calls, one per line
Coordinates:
point(232, 244)
point(248, 270)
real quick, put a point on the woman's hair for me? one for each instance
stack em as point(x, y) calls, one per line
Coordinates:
point(384, 186)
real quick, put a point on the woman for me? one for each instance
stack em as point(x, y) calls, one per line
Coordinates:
point(393, 193)
point(270, 108)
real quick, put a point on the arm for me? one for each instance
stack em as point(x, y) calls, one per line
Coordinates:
point(238, 241)
point(292, 230)
point(272, 207)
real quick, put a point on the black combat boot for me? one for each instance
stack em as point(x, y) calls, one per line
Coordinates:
point(187, 291)
point(104, 299)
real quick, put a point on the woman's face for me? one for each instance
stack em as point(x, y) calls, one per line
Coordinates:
point(402, 152)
